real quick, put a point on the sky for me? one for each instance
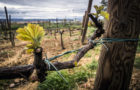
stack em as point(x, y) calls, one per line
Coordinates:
point(45, 9)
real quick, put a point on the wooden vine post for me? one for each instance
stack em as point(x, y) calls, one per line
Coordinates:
point(83, 22)
point(8, 25)
point(57, 25)
point(3, 28)
point(61, 39)
point(39, 64)
point(55, 33)
point(50, 31)
point(86, 21)
point(69, 28)
point(12, 35)
point(116, 63)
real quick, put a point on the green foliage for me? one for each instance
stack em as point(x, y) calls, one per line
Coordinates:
point(4, 84)
point(15, 26)
point(105, 15)
point(105, 4)
point(6, 54)
point(81, 75)
point(97, 49)
point(91, 24)
point(90, 31)
point(54, 82)
point(88, 54)
point(100, 12)
point(31, 33)
point(137, 59)
point(67, 56)
point(93, 65)
point(137, 62)
point(138, 48)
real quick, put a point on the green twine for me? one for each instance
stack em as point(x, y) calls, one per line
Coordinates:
point(109, 40)
point(50, 59)
point(100, 41)
point(47, 61)
point(50, 64)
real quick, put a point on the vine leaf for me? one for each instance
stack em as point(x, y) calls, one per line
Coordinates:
point(100, 12)
point(31, 33)
point(105, 15)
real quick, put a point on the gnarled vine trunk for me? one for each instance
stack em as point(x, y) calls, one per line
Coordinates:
point(116, 64)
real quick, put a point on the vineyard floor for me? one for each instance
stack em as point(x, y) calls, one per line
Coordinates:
point(14, 56)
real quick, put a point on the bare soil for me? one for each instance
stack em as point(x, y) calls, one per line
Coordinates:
point(14, 56)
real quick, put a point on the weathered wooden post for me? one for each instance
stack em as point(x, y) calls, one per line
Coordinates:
point(12, 35)
point(57, 24)
point(6, 13)
point(39, 64)
point(83, 22)
point(5, 30)
point(8, 25)
point(70, 31)
point(61, 39)
point(55, 34)
point(50, 27)
point(86, 21)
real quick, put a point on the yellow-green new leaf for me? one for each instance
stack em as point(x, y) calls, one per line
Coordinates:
point(30, 50)
point(100, 8)
point(24, 37)
point(96, 7)
point(32, 33)
point(30, 46)
point(75, 63)
point(105, 15)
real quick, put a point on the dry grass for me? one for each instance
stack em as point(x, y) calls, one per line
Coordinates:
point(51, 47)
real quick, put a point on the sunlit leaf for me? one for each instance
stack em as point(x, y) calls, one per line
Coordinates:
point(31, 33)
point(29, 50)
point(29, 46)
point(96, 7)
point(105, 15)
point(75, 63)
point(24, 37)
point(100, 8)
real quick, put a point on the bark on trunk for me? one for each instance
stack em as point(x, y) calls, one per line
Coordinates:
point(16, 72)
point(55, 34)
point(8, 26)
point(116, 64)
point(12, 35)
point(70, 31)
point(39, 64)
point(61, 39)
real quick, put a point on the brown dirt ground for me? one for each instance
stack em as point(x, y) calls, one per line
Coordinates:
point(13, 56)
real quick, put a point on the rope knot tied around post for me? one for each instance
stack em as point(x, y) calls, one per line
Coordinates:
point(110, 40)
point(47, 61)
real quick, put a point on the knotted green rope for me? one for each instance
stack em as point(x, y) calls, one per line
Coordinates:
point(52, 58)
point(109, 40)
point(50, 64)
point(47, 61)
point(100, 41)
